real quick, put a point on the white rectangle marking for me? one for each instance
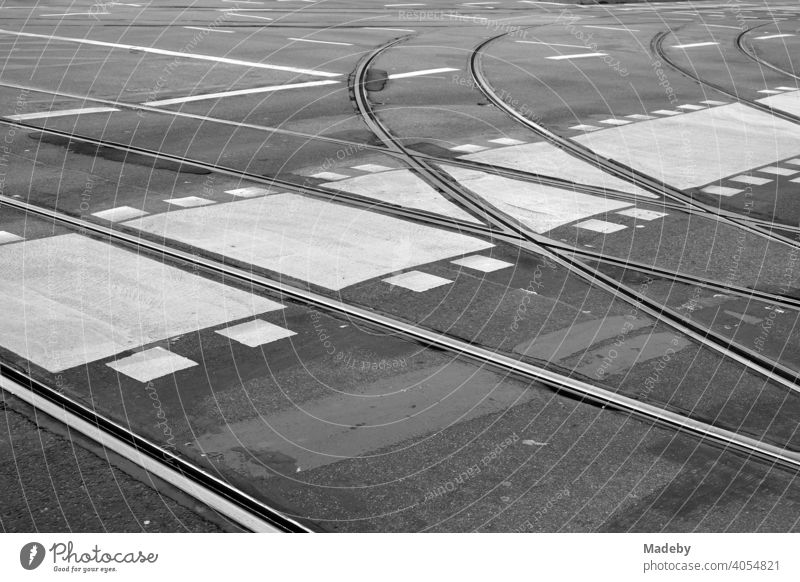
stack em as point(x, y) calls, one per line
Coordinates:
point(468, 148)
point(120, 213)
point(642, 214)
point(319, 41)
point(151, 364)
point(248, 192)
point(256, 333)
point(420, 73)
point(721, 190)
point(417, 281)
point(754, 180)
point(238, 93)
point(601, 226)
point(506, 141)
point(694, 45)
point(189, 201)
point(577, 56)
point(7, 237)
point(778, 171)
point(481, 263)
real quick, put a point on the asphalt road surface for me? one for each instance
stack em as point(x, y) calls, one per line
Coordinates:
point(435, 266)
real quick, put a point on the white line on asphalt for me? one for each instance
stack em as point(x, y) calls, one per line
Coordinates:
point(610, 28)
point(723, 26)
point(685, 46)
point(252, 16)
point(158, 51)
point(62, 113)
point(237, 93)
point(208, 29)
point(70, 14)
point(319, 41)
point(418, 73)
point(392, 29)
point(580, 56)
point(550, 43)
point(772, 36)
point(399, 5)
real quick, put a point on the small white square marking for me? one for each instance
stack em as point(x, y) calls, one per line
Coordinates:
point(256, 333)
point(690, 107)
point(151, 364)
point(417, 281)
point(7, 237)
point(615, 121)
point(778, 171)
point(720, 190)
point(769, 91)
point(372, 168)
point(468, 148)
point(755, 180)
point(642, 214)
point(189, 201)
point(507, 141)
point(787, 88)
point(248, 192)
point(481, 263)
point(600, 226)
point(120, 213)
point(794, 162)
point(712, 102)
point(640, 117)
point(666, 112)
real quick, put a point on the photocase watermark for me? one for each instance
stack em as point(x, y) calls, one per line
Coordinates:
point(497, 26)
point(81, 561)
point(163, 422)
point(470, 472)
point(568, 20)
point(349, 360)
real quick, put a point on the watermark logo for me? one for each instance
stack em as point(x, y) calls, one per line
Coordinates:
point(31, 555)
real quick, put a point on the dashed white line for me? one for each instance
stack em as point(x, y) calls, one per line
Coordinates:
point(693, 45)
point(610, 28)
point(551, 44)
point(208, 29)
point(319, 41)
point(577, 56)
point(62, 113)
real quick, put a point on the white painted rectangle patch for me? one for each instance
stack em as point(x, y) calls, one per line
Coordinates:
point(420, 73)
point(329, 176)
point(755, 180)
point(151, 364)
point(327, 244)
point(699, 148)
point(721, 190)
point(481, 263)
point(62, 113)
point(600, 226)
point(189, 201)
point(666, 112)
point(119, 213)
point(788, 102)
point(372, 168)
point(578, 56)
point(417, 281)
point(779, 171)
point(248, 192)
point(694, 45)
point(506, 141)
point(642, 214)
point(7, 237)
point(70, 299)
point(256, 333)
point(468, 148)
point(615, 121)
point(585, 127)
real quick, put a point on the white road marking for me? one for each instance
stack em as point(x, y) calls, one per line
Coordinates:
point(550, 44)
point(417, 281)
point(693, 142)
point(319, 41)
point(372, 168)
point(722, 26)
point(208, 29)
point(98, 300)
point(390, 29)
point(256, 16)
point(712, 102)
point(769, 91)
point(690, 107)
point(189, 201)
point(721, 190)
point(640, 117)
point(419, 73)
point(481, 263)
point(787, 88)
point(613, 121)
point(185, 55)
point(666, 112)
point(585, 127)
point(788, 102)
point(576, 56)
point(506, 141)
point(468, 148)
point(642, 214)
point(778, 171)
point(326, 244)
point(754, 180)
point(794, 162)
point(255, 333)
point(693, 45)
point(549, 160)
point(151, 364)
point(238, 93)
point(403, 188)
point(772, 36)
point(330, 176)
point(248, 192)
point(610, 28)
point(7, 237)
point(74, 14)
point(62, 113)
point(120, 213)
point(796, 180)
point(541, 208)
point(600, 226)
